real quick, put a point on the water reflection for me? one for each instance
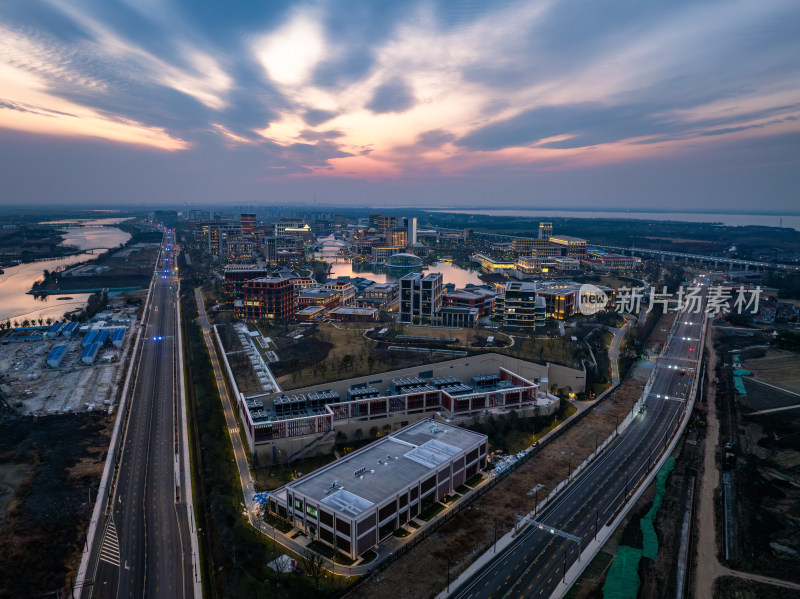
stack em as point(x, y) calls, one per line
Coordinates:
point(16, 281)
point(451, 273)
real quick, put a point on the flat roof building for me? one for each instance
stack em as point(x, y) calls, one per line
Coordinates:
point(355, 502)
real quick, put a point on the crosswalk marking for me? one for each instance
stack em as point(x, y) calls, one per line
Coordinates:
point(109, 548)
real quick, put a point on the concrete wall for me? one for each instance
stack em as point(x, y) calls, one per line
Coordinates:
point(291, 445)
point(464, 369)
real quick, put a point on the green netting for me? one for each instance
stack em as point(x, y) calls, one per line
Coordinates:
point(738, 384)
point(649, 538)
point(622, 581)
point(741, 372)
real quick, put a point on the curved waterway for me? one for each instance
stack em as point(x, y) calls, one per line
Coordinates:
point(383, 274)
point(16, 281)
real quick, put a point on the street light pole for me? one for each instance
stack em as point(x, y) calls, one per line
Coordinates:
point(448, 575)
point(495, 535)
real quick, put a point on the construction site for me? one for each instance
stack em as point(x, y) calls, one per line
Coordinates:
point(66, 367)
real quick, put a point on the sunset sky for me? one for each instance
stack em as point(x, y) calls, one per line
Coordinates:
point(561, 103)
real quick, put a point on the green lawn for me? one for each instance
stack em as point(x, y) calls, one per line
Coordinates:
point(431, 511)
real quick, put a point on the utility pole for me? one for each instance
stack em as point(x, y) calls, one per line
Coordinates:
point(448, 575)
point(495, 535)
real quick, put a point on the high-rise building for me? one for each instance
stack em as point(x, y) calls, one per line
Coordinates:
point(522, 309)
point(235, 277)
point(420, 297)
point(381, 223)
point(270, 248)
point(545, 231)
point(248, 222)
point(397, 237)
point(412, 230)
point(219, 235)
point(266, 297)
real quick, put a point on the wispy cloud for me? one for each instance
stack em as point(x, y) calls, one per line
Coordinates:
point(416, 88)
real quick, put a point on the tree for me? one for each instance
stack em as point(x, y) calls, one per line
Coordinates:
point(323, 369)
point(371, 362)
point(358, 435)
point(314, 564)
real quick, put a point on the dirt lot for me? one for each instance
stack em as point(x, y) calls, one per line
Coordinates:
point(778, 367)
point(729, 587)
point(472, 532)
point(42, 533)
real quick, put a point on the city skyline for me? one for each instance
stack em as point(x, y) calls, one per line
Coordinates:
point(449, 104)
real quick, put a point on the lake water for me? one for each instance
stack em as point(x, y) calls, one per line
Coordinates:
point(730, 220)
point(16, 281)
point(381, 274)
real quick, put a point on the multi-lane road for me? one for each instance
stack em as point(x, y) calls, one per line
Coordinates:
point(143, 549)
point(534, 564)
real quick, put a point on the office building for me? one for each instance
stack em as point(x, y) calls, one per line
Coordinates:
point(480, 299)
point(412, 230)
point(490, 265)
point(457, 317)
point(327, 299)
point(529, 246)
point(266, 298)
point(353, 314)
point(384, 296)
point(292, 227)
point(545, 231)
point(397, 237)
point(235, 276)
point(382, 254)
point(420, 297)
point(522, 309)
point(345, 288)
point(571, 247)
point(382, 223)
point(355, 502)
point(248, 222)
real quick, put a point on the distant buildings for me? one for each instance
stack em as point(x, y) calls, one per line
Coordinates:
point(572, 247)
point(612, 262)
point(248, 222)
point(382, 223)
point(412, 230)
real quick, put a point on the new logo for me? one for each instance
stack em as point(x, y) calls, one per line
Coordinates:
point(591, 299)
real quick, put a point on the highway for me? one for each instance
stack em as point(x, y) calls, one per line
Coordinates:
point(144, 549)
point(534, 564)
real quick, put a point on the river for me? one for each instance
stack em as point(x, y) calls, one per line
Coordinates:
point(16, 281)
point(729, 220)
point(382, 274)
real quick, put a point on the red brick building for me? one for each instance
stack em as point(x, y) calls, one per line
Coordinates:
point(266, 297)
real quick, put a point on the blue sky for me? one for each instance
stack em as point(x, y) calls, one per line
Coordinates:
point(656, 105)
